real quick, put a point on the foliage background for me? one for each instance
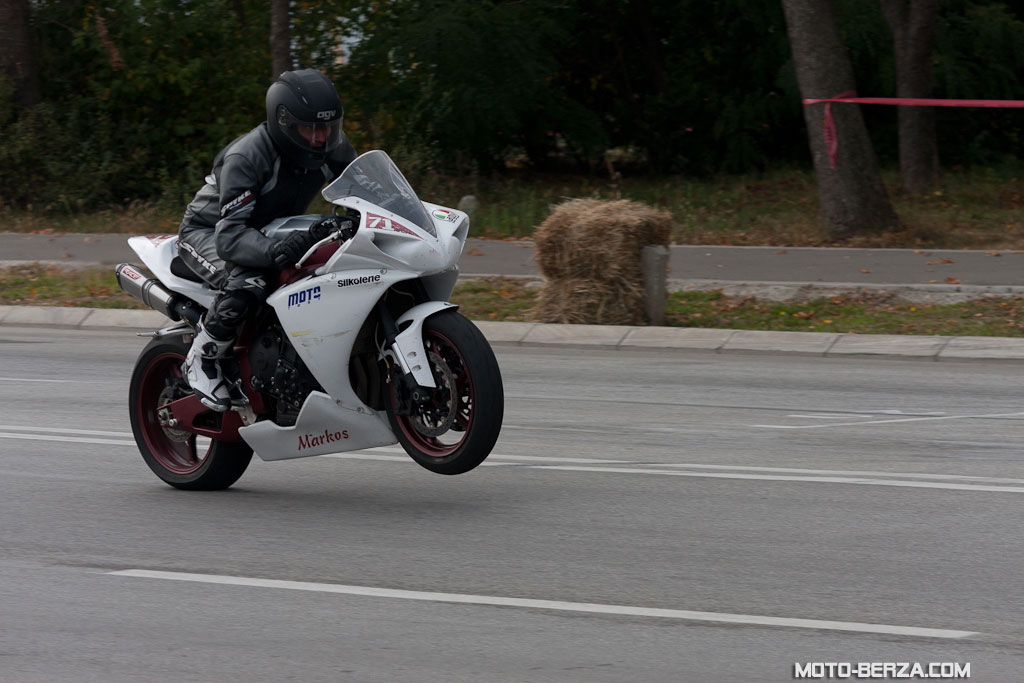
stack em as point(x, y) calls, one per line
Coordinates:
point(139, 95)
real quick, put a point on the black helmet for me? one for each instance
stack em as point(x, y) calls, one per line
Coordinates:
point(304, 117)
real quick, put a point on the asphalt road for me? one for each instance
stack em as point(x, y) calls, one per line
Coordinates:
point(684, 517)
point(941, 268)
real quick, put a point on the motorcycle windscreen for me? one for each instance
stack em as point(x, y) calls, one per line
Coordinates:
point(373, 177)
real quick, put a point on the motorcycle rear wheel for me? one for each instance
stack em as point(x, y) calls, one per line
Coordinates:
point(456, 428)
point(178, 457)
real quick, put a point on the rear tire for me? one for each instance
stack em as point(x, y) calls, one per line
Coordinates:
point(178, 457)
point(455, 430)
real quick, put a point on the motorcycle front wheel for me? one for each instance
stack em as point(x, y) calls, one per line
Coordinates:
point(455, 428)
point(178, 457)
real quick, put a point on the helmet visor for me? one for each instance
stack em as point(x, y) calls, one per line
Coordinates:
point(311, 136)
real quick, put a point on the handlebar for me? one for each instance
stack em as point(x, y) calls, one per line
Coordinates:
point(343, 235)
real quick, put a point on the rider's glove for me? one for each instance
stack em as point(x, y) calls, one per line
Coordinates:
point(328, 226)
point(287, 251)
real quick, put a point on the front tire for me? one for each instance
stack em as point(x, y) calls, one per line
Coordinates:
point(178, 457)
point(456, 428)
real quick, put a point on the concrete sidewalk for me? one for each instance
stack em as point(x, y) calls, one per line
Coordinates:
point(779, 273)
point(581, 337)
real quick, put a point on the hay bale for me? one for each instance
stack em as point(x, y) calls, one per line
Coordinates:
point(582, 302)
point(589, 252)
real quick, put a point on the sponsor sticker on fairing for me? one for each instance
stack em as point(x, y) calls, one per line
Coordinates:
point(363, 280)
point(305, 296)
point(326, 437)
point(382, 223)
point(444, 215)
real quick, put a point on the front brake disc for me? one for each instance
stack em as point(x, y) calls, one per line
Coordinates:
point(435, 416)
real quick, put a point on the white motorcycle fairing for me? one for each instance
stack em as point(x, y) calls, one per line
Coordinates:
point(157, 252)
point(323, 313)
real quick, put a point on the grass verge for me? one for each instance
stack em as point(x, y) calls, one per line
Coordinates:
point(37, 285)
point(969, 209)
point(512, 300)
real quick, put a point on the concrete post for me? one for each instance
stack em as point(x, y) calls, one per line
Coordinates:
point(469, 205)
point(654, 264)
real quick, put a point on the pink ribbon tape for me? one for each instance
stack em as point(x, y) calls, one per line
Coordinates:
point(832, 138)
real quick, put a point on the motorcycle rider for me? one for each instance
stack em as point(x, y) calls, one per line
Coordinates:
point(274, 170)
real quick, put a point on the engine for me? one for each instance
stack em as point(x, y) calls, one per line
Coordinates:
point(280, 375)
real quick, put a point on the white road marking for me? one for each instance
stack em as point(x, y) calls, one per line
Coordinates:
point(583, 430)
point(893, 411)
point(71, 439)
point(557, 605)
point(857, 473)
point(827, 476)
point(880, 422)
point(552, 458)
point(356, 455)
point(768, 477)
point(498, 456)
point(31, 379)
point(842, 416)
point(738, 472)
point(862, 413)
point(58, 430)
point(884, 411)
point(971, 444)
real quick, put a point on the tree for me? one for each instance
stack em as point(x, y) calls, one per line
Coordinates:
point(853, 198)
point(466, 82)
point(16, 52)
point(280, 38)
point(913, 34)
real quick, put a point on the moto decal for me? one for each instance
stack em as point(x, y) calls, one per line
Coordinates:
point(306, 296)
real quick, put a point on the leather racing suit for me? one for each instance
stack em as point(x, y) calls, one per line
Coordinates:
point(220, 239)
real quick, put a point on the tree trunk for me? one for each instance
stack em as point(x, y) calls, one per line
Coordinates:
point(280, 38)
point(16, 53)
point(853, 199)
point(913, 36)
point(240, 14)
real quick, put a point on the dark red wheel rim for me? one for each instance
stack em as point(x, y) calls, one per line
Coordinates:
point(450, 404)
point(175, 451)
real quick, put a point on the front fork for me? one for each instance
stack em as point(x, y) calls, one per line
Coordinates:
point(404, 349)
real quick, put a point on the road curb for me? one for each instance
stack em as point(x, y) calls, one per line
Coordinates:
point(582, 337)
point(773, 290)
point(802, 291)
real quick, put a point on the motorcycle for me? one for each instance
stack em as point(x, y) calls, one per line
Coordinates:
point(358, 347)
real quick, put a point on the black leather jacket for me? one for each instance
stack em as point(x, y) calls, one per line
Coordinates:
point(251, 185)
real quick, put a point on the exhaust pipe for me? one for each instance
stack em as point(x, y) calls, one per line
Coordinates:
point(150, 292)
